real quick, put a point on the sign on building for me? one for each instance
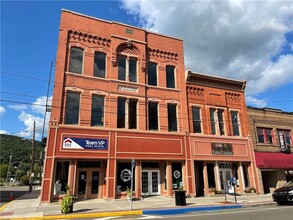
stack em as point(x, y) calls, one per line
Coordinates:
point(222, 149)
point(85, 143)
point(283, 142)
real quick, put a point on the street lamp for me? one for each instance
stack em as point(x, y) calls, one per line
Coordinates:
point(33, 159)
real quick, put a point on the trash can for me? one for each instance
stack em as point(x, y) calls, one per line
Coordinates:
point(180, 198)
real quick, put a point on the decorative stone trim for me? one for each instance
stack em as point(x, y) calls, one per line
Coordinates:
point(195, 91)
point(162, 54)
point(84, 37)
point(233, 97)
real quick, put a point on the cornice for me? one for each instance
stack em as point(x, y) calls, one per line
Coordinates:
point(89, 38)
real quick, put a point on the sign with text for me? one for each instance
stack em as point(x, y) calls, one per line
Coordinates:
point(283, 142)
point(85, 143)
point(222, 149)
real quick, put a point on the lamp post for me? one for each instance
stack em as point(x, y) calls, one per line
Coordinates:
point(33, 159)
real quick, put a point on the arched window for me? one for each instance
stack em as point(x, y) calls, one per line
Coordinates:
point(76, 60)
point(100, 65)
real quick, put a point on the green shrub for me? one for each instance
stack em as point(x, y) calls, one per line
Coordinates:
point(25, 180)
point(67, 204)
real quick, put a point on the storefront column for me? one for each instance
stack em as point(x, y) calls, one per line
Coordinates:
point(241, 178)
point(169, 179)
point(217, 176)
point(72, 176)
point(138, 179)
point(205, 178)
point(110, 179)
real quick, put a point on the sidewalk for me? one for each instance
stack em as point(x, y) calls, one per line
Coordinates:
point(27, 206)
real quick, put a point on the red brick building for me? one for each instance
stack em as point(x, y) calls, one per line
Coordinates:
point(120, 100)
point(220, 144)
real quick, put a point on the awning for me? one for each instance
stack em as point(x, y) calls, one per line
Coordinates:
point(274, 160)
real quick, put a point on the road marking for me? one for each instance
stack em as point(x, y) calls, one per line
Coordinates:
point(149, 217)
point(106, 218)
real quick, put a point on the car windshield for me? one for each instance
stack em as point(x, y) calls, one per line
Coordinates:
point(290, 183)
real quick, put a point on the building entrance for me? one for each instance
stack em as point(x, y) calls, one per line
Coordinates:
point(225, 171)
point(150, 180)
point(88, 183)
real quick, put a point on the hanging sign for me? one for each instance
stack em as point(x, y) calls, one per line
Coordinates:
point(85, 143)
point(283, 142)
point(176, 174)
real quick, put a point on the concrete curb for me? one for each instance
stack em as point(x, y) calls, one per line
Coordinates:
point(84, 215)
point(4, 206)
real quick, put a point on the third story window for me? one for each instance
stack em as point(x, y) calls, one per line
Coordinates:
point(172, 117)
point(100, 64)
point(152, 74)
point(76, 59)
point(127, 68)
point(170, 76)
point(196, 119)
point(97, 110)
point(72, 108)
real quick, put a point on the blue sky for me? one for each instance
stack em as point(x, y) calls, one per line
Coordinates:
point(225, 38)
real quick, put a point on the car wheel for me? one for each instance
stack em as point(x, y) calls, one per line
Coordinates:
point(280, 203)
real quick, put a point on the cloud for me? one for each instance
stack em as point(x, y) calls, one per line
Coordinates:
point(2, 111)
point(234, 39)
point(39, 105)
point(260, 103)
point(3, 132)
point(19, 107)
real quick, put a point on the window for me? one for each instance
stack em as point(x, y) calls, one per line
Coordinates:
point(172, 117)
point(287, 135)
point(177, 175)
point(265, 135)
point(100, 64)
point(196, 120)
point(217, 121)
point(61, 177)
point(127, 69)
point(97, 110)
point(121, 113)
point(153, 116)
point(123, 186)
point(76, 59)
point(170, 76)
point(129, 110)
point(235, 123)
point(72, 108)
point(152, 74)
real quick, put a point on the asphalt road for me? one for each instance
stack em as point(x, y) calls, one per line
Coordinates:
point(15, 191)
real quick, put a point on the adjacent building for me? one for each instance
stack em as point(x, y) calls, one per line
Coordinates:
point(220, 144)
point(124, 106)
point(271, 131)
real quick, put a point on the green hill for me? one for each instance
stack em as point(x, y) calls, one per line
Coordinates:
point(19, 148)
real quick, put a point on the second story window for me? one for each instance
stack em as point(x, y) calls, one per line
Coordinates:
point(196, 119)
point(76, 60)
point(170, 76)
point(97, 110)
point(153, 116)
point(265, 135)
point(127, 68)
point(127, 113)
point(172, 117)
point(100, 65)
point(235, 123)
point(152, 74)
point(287, 135)
point(72, 107)
point(217, 121)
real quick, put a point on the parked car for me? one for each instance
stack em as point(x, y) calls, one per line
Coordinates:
point(284, 194)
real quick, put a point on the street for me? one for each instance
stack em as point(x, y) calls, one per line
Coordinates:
point(8, 192)
point(271, 212)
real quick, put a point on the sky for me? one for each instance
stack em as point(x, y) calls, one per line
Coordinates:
point(237, 39)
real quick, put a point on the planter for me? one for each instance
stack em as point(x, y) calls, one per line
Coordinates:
point(67, 204)
point(180, 198)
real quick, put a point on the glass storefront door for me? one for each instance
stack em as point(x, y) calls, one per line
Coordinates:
point(88, 183)
point(150, 180)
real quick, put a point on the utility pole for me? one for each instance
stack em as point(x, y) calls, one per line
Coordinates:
point(8, 170)
point(33, 159)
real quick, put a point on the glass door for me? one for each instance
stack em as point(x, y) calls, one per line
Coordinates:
point(150, 182)
point(88, 182)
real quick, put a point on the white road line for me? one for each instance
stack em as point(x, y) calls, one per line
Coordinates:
point(106, 218)
point(149, 217)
